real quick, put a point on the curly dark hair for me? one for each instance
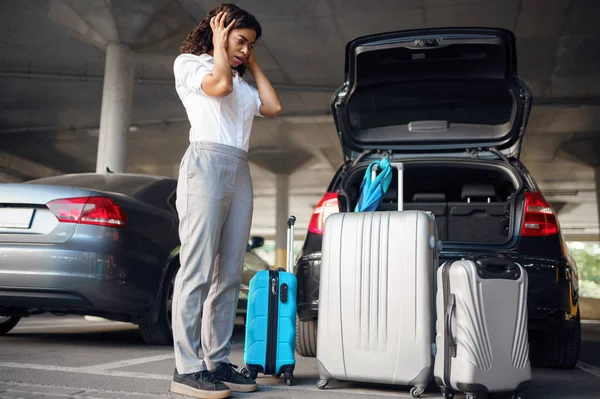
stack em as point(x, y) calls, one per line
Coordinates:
point(199, 40)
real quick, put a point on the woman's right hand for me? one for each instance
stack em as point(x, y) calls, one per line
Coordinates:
point(220, 32)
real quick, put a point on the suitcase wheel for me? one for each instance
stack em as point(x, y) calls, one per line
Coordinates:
point(289, 379)
point(321, 384)
point(415, 392)
point(448, 393)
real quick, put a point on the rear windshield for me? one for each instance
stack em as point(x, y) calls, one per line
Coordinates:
point(122, 184)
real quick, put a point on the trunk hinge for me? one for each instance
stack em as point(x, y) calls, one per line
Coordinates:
point(361, 156)
point(493, 150)
point(499, 153)
point(474, 153)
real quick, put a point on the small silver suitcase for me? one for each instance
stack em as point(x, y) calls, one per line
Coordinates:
point(376, 297)
point(482, 340)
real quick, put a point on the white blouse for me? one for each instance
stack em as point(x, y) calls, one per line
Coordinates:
point(224, 120)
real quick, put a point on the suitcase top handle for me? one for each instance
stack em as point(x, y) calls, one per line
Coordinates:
point(495, 263)
point(290, 245)
point(497, 267)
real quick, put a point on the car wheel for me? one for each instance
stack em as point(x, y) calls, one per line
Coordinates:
point(161, 332)
point(7, 323)
point(306, 338)
point(557, 349)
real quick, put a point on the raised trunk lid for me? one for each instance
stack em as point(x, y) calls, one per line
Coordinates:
point(25, 218)
point(432, 90)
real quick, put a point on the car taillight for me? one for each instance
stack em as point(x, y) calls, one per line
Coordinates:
point(100, 211)
point(329, 204)
point(539, 218)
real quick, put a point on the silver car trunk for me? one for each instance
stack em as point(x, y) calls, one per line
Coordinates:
point(25, 218)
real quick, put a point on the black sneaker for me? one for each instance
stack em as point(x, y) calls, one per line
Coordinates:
point(235, 381)
point(201, 385)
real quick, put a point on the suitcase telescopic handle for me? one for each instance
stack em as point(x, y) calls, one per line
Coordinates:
point(290, 244)
point(291, 221)
point(400, 167)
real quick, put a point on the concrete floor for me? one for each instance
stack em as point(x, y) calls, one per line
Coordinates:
point(58, 357)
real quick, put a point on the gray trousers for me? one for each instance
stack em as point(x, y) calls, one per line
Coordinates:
point(215, 204)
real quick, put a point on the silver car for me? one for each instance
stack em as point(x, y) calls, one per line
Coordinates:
point(95, 244)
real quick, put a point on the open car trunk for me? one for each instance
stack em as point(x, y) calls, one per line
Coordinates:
point(425, 91)
point(473, 202)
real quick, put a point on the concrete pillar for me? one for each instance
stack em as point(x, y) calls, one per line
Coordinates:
point(281, 216)
point(115, 116)
point(282, 161)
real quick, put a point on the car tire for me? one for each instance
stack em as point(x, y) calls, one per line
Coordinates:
point(8, 324)
point(161, 333)
point(306, 338)
point(559, 349)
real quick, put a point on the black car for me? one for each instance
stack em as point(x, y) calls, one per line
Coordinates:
point(95, 244)
point(449, 105)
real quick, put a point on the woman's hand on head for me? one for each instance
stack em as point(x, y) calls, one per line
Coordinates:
point(250, 59)
point(270, 102)
point(220, 31)
point(218, 83)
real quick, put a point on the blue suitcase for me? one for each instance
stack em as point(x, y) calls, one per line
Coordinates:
point(271, 320)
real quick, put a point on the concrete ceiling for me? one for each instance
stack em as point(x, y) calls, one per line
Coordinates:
point(52, 61)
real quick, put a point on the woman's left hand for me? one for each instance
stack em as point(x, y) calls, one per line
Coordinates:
point(270, 102)
point(250, 59)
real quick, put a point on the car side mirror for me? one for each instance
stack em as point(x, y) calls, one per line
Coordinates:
point(256, 242)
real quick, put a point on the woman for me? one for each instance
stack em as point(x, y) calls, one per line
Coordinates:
point(214, 196)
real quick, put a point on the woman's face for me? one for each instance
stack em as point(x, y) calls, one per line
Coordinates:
point(239, 45)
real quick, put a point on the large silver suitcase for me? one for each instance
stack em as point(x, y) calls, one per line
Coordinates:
point(482, 340)
point(376, 298)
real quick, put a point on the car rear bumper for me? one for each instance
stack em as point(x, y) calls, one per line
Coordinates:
point(553, 297)
point(308, 270)
point(552, 300)
point(55, 278)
